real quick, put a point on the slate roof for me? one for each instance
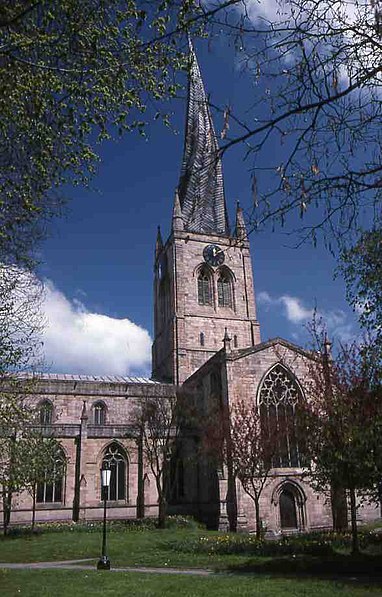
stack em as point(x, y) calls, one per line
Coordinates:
point(201, 186)
point(94, 378)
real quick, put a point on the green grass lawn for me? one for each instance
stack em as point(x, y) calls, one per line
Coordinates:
point(62, 583)
point(237, 573)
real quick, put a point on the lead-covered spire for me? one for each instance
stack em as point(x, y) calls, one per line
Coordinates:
point(201, 187)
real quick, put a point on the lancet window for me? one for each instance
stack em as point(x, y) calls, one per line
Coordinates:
point(99, 413)
point(46, 413)
point(204, 288)
point(115, 457)
point(225, 290)
point(279, 401)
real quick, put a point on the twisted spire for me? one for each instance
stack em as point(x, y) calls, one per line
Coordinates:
point(201, 186)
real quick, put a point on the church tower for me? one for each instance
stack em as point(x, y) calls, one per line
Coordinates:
point(203, 282)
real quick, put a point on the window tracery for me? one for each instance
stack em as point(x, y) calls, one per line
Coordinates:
point(279, 404)
point(51, 489)
point(115, 458)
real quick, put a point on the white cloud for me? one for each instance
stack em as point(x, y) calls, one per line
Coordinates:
point(78, 341)
point(296, 312)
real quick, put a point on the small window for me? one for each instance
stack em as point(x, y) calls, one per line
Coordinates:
point(51, 489)
point(204, 289)
point(46, 413)
point(224, 291)
point(99, 413)
point(235, 341)
point(201, 339)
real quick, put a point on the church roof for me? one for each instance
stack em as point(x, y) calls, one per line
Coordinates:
point(121, 379)
point(201, 186)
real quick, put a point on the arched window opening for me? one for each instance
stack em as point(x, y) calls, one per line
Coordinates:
point(99, 413)
point(204, 288)
point(46, 413)
point(235, 341)
point(51, 488)
point(288, 511)
point(201, 338)
point(224, 290)
point(279, 404)
point(115, 457)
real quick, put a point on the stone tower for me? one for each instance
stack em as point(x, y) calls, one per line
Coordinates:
point(203, 280)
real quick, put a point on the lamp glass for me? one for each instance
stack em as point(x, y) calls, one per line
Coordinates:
point(105, 477)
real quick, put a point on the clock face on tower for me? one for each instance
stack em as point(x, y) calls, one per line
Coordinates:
point(213, 255)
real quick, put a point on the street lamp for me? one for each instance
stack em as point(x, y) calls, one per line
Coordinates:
point(104, 562)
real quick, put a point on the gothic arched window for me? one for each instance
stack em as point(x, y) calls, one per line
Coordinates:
point(225, 290)
point(201, 338)
point(204, 288)
point(46, 413)
point(51, 489)
point(99, 413)
point(279, 400)
point(116, 458)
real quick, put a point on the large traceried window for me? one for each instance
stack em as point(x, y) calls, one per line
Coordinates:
point(51, 489)
point(225, 290)
point(116, 458)
point(204, 288)
point(279, 401)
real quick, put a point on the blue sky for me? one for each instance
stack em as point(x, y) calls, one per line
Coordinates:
point(98, 260)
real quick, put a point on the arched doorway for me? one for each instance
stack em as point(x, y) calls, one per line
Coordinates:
point(288, 513)
point(289, 500)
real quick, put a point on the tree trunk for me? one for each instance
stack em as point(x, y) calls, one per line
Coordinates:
point(258, 519)
point(33, 507)
point(161, 512)
point(354, 530)
point(7, 507)
point(339, 507)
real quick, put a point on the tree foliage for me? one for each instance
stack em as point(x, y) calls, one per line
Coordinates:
point(251, 452)
point(72, 73)
point(316, 68)
point(361, 266)
point(157, 420)
point(342, 420)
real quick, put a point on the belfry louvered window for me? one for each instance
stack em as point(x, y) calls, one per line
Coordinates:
point(279, 402)
point(204, 289)
point(224, 291)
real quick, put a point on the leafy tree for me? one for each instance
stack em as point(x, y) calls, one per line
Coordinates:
point(251, 452)
point(361, 266)
point(20, 346)
point(42, 463)
point(342, 420)
point(316, 66)
point(72, 73)
point(157, 420)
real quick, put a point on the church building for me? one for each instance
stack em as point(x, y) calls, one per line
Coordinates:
point(206, 340)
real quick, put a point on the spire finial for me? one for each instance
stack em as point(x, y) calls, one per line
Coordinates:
point(177, 219)
point(226, 341)
point(159, 243)
point(240, 228)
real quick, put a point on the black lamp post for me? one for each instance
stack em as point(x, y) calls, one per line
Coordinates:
point(104, 562)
